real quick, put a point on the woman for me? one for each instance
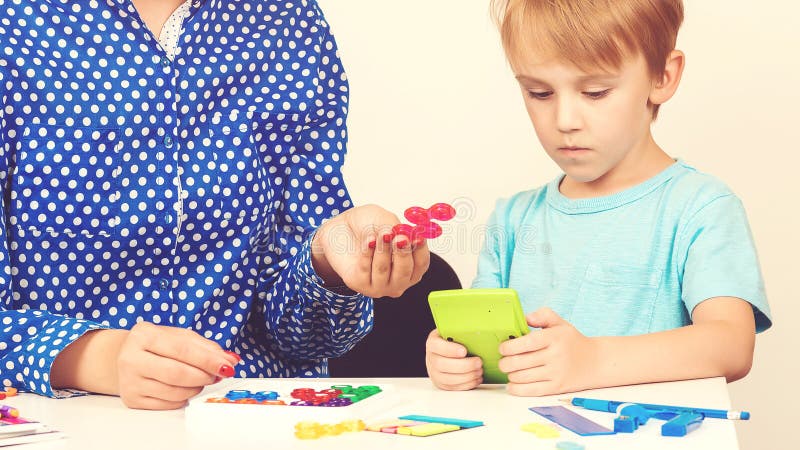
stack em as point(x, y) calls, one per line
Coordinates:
point(168, 171)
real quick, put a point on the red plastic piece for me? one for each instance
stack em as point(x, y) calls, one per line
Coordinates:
point(430, 230)
point(441, 211)
point(403, 229)
point(417, 215)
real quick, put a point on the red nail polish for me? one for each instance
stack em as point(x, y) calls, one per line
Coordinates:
point(388, 237)
point(217, 380)
point(234, 354)
point(372, 244)
point(402, 244)
point(225, 371)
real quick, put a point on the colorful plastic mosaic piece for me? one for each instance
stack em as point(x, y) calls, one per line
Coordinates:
point(307, 430)
point(423, 219)
point(568, 445)
point(316, 430)
point(335, 396)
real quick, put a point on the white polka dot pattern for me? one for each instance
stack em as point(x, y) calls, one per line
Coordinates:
point(171, 31)
point(182, 192)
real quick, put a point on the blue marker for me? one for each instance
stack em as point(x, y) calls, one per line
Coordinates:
point(613, 406)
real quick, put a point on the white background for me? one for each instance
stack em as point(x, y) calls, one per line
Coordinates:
point(436, 116)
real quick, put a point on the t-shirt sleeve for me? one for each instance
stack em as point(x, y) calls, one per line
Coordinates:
point(720, 260)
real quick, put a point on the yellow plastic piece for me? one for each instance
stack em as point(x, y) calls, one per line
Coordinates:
point(541, 430)
point(353, 425)
point(316, 430)
point(10, 391)
point(430, 429)
point(307, 434)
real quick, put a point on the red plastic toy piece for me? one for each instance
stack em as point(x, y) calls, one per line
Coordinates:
point(441, 211)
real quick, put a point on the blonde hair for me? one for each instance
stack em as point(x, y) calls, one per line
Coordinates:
point(590, 34)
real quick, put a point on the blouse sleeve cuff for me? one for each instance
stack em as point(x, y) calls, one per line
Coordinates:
point(337, 296)
point(45, 348)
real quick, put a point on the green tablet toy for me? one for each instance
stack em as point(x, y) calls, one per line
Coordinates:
point(479, 319)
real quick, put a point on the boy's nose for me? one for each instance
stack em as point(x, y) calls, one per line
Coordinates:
point(568, 116)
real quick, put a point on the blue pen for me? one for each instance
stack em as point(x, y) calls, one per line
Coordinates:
point(613, 406)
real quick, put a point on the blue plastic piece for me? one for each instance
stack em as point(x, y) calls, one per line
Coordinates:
point(682, 424)
point(237, 394)
point(265, 395)
point(446, 420)
point(568, 445)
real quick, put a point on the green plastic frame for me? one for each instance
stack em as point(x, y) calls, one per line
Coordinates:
point(480, 319)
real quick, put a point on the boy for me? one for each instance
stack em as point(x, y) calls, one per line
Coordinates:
point(638, 267)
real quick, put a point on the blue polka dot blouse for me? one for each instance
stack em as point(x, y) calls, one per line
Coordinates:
point(178, 191)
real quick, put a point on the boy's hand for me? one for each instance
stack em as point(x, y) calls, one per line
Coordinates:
point(553, 360)
point(350, 249)
point(448, 366)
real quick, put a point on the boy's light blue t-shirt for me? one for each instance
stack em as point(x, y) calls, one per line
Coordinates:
point(635, 262)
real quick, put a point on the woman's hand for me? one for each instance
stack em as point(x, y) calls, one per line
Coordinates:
point(149, 366)
point(162, 367)
point(351, 249)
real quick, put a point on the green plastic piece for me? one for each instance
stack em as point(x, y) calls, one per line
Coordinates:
point(368, 390)
point(480, 319)
point(345, 388)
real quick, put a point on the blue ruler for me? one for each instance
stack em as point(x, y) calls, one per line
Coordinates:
point(571, 420)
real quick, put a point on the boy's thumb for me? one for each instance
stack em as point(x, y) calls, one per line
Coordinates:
point(544, 318)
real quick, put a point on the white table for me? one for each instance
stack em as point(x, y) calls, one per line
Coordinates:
point(104, 422)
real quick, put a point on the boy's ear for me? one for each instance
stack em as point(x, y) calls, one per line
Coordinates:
point(665, 88)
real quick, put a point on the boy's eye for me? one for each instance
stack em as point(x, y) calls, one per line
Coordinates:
point(540, 95)
point(594, 95)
